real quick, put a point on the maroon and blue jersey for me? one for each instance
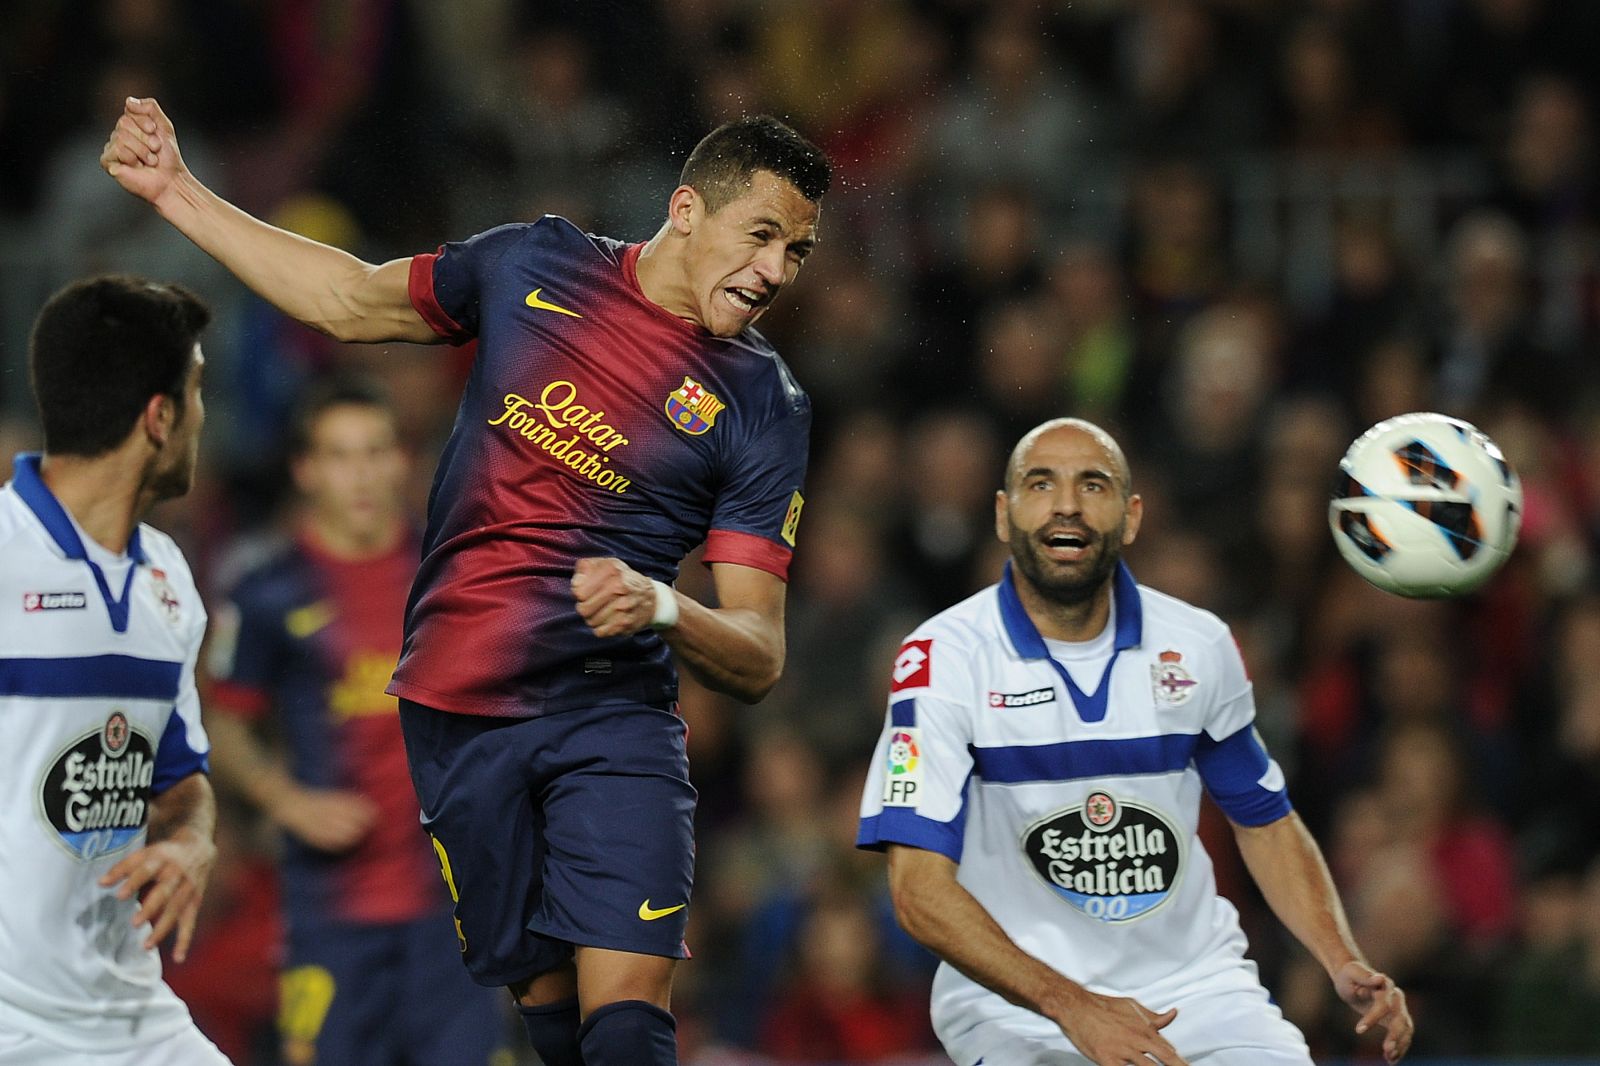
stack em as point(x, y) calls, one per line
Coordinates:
point(593, 423)
point(307, 643)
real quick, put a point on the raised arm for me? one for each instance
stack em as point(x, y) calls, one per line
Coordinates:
point(328, 289)
point(736, 647)
point(942, 916)
point(1288, 866)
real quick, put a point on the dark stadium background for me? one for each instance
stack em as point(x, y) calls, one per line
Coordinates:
point(1236, 232)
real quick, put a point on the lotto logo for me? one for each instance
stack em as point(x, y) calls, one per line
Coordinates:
point(913, 667)
point(54, 601)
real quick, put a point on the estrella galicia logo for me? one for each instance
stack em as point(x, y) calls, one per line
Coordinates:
point(96, 795)
point(1112, 861)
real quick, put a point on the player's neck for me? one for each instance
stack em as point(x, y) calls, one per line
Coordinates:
point(105, 495)
point(663, 278)
point(1072, 622)
point(353, 545)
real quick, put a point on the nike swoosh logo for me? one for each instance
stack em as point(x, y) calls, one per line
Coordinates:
point(538, 303)
point(649, 914)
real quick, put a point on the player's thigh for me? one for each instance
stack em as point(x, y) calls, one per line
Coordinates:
point(477, 780)
point(186, 1047)
point(337, 996)
point(446, 1016)
point(1253, 1056)
point(619, 832)
point(1025, 1051)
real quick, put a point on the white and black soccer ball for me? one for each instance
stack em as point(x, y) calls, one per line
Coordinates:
point(1427, 506)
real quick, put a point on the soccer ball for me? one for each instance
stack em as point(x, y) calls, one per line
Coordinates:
point(1427, 506)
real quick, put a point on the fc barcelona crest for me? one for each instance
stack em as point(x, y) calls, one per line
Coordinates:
point(693, 409)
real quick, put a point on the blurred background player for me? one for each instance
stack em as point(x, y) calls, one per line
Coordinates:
point(305, 732)
point(1038, 789)
point(106, 815)
point(620, 412)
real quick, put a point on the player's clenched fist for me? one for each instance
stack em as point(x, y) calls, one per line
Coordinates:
point(142, 151)
point(612, 597)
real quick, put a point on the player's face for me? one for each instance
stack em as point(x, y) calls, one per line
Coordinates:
point(174, 474)
point(353, 473)
point(740, 257)
point(1066, 517)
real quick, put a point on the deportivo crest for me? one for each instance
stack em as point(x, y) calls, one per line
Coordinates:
point(1115, 861)
point(1170, 682)
point(96, 793)
point(693, 409)
point(164, 594)
point(913, 667)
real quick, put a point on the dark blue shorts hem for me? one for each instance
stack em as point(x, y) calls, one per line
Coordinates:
point(610, 943)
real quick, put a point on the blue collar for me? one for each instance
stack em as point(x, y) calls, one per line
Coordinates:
point(1025, 638)
point(42, 502)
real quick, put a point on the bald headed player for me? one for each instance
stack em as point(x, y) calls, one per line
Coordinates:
point(1037, 789)
point(621, 410)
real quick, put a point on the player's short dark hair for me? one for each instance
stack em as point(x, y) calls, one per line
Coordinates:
point(722, 164)
point(323, 395)
point(101, 347)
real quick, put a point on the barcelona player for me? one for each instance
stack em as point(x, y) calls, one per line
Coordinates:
point(306, 644)
point(620, 411)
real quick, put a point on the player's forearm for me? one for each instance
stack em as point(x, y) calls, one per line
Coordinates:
point(324, 287)
point(945, 918)
point(732, 650)
point(187, 808)
point(243, 767)
point(1288, 867)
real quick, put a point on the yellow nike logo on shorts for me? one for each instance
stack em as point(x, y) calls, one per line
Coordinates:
point(649, 914)
point(538, 303)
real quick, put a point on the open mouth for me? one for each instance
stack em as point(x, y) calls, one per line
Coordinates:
point(1068, 544)
point(747, 301)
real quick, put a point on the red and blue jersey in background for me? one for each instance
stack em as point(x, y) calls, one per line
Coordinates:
point(593, 423)
point(310, 640)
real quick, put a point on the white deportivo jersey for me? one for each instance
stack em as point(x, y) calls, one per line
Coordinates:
point(98, 712)
point(1065, 780)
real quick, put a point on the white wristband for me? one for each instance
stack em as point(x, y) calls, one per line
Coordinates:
point(666, 615)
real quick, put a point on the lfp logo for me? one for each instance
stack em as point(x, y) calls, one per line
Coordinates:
point(904, 772)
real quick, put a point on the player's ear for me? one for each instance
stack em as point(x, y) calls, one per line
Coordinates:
point(1002, 517)
point(684, 210)
point(1135, 512)
point(160, 412)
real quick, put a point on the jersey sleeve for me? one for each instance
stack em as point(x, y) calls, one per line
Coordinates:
point(757, 513)
point(246, 653)
point(916, 787)
point(184, 748)
point(444, 285)
point(1233, 762)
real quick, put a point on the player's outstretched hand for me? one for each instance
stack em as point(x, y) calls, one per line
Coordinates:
point(330, 820)
point(1116, 1031)
point(1380, 1002)
point(142, 151)
point(612, 597)
point(168, 878)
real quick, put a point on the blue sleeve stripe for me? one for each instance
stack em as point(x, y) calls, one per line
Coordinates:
point(1077, 759)
point(175, 759)
point(897, 826)
point(91, 676)
point(1232, 770)
point(903, 713)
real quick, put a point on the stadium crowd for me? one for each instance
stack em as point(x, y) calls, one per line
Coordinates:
point(1235, 232)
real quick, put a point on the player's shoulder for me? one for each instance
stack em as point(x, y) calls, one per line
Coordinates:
point(163, 553)
point(762, 360)
point(270, 574)
point(12, 524)
point(1166, 616)
point(970, 629)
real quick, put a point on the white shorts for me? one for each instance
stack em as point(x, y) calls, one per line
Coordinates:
point(1239, 1027)
point(186, 1047)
